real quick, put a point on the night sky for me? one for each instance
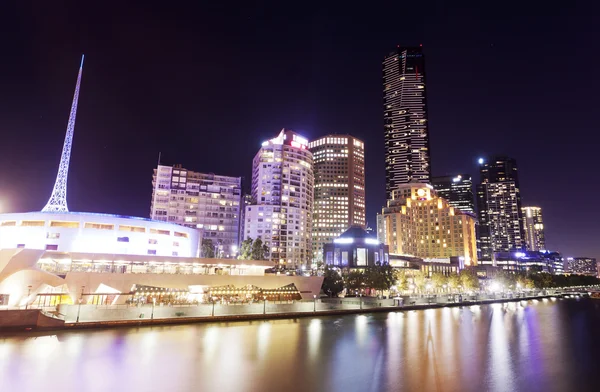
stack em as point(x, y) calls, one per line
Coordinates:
point(206, 84)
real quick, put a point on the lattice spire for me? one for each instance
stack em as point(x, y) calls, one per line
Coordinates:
point(58, 199)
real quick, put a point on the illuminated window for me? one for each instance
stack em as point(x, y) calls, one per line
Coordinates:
point(33, 223)
point(135, 229)
point(98, 226)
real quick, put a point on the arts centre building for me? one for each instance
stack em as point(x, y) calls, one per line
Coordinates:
point(57, 257)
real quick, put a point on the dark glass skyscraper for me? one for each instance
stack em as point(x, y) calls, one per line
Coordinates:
point(458, 190)
point(405, 118)
point(499, 208)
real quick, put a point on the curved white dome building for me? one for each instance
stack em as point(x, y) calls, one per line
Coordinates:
point(96, 233)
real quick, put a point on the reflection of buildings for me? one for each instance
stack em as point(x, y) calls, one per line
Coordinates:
point(205, 201)
point(282, 196)
point(405, 118)
point(355, 249)
point(458, 190)
point(417, 222)
point(56, 256)
point(533, 226)
point(339, 167)
point(582, 266)
point(499, 208)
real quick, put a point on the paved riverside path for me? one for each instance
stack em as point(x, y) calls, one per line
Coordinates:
point(91, 316)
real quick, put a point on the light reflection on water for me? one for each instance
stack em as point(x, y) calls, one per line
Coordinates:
point(520, 346)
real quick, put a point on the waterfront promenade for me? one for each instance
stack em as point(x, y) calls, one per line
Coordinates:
point(102, 316)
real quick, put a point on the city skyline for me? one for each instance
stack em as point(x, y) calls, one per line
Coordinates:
point(113, 133)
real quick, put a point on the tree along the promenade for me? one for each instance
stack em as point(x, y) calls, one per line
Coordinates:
point(453, 281)
point(246, 249)
point(401, 280)
point(207, 249)
point(469, 280)
point(354, 280)
point(438, 280)
point(253, 250)
point(380, 277)
point(419, 280)
point(259, 250)
point(333, 284)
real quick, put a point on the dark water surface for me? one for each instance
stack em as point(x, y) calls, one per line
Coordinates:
point(547, 345)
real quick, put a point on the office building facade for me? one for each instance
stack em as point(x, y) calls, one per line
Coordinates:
point(339, 188)
point(208, 202)
point(458, 190)
point(499, 208)
point(406, 129)
point(533, 227)
point(281, 212)
point(417, 222)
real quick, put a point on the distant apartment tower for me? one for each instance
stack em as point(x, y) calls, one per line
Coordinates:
point(458, 190)
point(499, 208)
point(246, 201)
point(582, 266)
point(405, 118)
point(417, 222)
point(282, 199)
point(208, 202)
point(339, 190)
point(533, 226)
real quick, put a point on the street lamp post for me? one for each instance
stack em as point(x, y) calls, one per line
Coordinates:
point(360, 300)
point(264, 304)
point(153, 304)
point(314, 303)
point(78, 310)
point(28, 295)
point(212, 313)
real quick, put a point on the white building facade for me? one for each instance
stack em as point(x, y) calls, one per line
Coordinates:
point(207, 202)
point(282, 199)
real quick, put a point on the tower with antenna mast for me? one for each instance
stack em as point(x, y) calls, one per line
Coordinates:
point(58, 198)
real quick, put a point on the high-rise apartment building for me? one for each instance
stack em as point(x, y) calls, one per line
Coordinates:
point(208, 202)
point(405, 118)
point(417, 222)
point(282, 199)
point(533, 226)
point(458, 190)
point(582, 266)
point(339, 190)
point(499, 208)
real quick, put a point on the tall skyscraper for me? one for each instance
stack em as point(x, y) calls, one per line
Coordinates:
point(339, 168)
point(499, 208)
point(208, 202)
point(417, 222)
point(533, 225)
point(405, 118)
point(458, 190)
point(282, 199)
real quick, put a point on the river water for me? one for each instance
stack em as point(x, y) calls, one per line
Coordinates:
point(545, 345)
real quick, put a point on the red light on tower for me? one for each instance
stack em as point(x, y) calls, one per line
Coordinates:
point(421, 45)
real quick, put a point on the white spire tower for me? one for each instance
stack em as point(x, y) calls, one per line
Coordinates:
point(58, 199)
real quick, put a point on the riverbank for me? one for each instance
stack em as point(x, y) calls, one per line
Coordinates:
point(310, 309)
